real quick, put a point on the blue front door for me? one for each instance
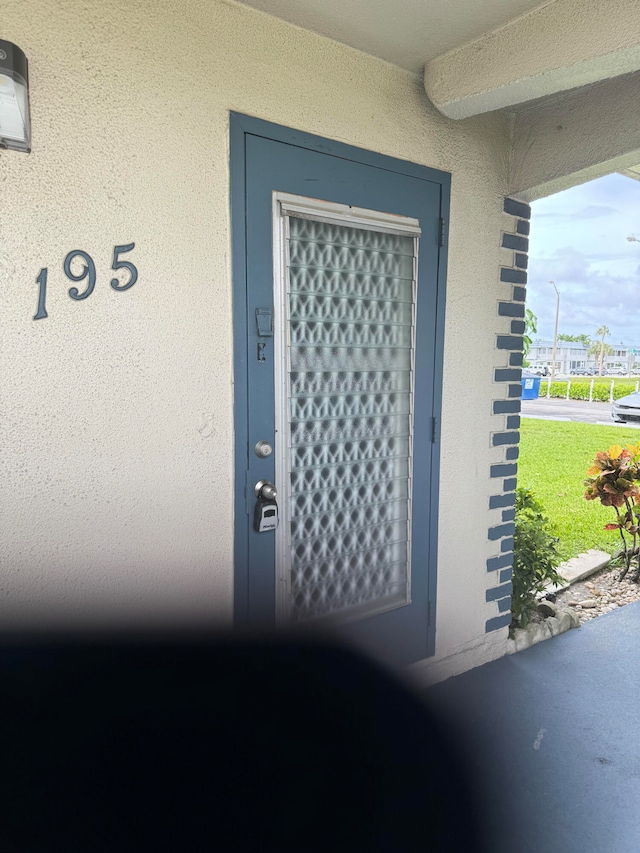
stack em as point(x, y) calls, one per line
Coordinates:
point(338, 315)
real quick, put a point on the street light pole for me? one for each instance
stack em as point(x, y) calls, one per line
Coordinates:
point(555, 336)
point(632, 361)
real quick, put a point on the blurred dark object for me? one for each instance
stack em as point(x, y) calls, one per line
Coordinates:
point(220, 743)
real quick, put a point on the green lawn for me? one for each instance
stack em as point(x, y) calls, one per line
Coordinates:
point(554, 457)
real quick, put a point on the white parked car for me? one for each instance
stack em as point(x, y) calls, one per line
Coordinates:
point(626, 408)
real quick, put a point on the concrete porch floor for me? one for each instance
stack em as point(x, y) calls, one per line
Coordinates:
point(552, 739)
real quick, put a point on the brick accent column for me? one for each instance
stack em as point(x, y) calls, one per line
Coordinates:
point(513, 274)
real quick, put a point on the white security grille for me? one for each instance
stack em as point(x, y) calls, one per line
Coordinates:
point(350, 303)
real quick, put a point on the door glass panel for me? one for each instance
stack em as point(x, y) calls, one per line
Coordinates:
point(344, 541)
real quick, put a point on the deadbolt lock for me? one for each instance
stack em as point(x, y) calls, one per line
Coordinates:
point(263, 449)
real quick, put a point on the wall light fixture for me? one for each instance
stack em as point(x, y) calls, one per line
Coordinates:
point(15, 122)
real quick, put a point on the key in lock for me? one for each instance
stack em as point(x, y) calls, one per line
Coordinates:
point(265, 516)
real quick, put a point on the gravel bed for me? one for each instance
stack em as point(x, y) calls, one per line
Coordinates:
point(600, 593)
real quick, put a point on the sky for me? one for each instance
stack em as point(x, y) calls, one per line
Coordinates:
point(579, 240)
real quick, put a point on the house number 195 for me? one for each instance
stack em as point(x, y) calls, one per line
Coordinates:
point(89, 273)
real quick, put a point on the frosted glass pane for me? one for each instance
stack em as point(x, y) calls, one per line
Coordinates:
point(350, 300)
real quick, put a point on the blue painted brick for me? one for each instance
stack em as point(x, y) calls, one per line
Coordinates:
point(513, 422)
point(517, 327)
point(513, 276)
point(509, 485)
point(504, 407)
point(504, 605)
point(523, 227)
point(499, 438)
point(504, 561)
point(522, 261)
point(497, 501)
point(506, 575)
point(503, 470)
point(508, 514)
point(514, 391)
point(507, 544)
point(517, 208)
point(499, 591)
point(510, 309)
point(507, 374)
point(509, 342)
point(512, 453)
point(497, 622)
point(515, 241)
point(501, 530)
point(519, 294)
point(515, 359)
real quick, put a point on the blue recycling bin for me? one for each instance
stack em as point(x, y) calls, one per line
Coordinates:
point(530, 387)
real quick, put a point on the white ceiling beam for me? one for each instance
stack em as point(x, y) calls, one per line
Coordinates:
point(576, 137)
point(556, 47)
point(632, 172)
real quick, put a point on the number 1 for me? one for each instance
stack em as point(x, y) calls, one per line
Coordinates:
point(42, 295)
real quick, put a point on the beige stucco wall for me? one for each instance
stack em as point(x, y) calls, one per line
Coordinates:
point(117, 431)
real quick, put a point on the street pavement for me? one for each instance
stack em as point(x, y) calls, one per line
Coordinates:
point(554, 409)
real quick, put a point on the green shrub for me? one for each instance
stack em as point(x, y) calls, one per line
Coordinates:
point(558, 389)
point(580, 390)
point(535, 557)
point(602, 392)
point(621, 389)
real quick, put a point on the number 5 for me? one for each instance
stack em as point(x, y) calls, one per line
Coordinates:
point(118, 264)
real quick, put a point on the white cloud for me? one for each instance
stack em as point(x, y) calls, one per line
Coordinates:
point(578, 240)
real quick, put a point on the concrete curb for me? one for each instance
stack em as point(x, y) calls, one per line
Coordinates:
point(578, 568)
point(536, 632)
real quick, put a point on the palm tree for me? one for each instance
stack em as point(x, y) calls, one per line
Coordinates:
point(601, 347)
point(530, 327)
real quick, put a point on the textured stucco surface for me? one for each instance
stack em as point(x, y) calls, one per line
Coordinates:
point(117, 438)
point(559, 46)
point(577, 137)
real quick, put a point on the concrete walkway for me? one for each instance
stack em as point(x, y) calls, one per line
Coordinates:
point(552, 738)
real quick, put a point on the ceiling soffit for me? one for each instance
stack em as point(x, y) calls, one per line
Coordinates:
point(406, 33)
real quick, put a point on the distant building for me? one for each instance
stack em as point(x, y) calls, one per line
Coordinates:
point(572, 356)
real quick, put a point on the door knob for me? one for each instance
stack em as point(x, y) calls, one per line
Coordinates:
point(265, 490)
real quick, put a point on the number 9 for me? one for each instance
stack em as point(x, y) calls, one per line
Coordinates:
point(88, 271)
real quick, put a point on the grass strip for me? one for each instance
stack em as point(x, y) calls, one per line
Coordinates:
point(554, 457)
